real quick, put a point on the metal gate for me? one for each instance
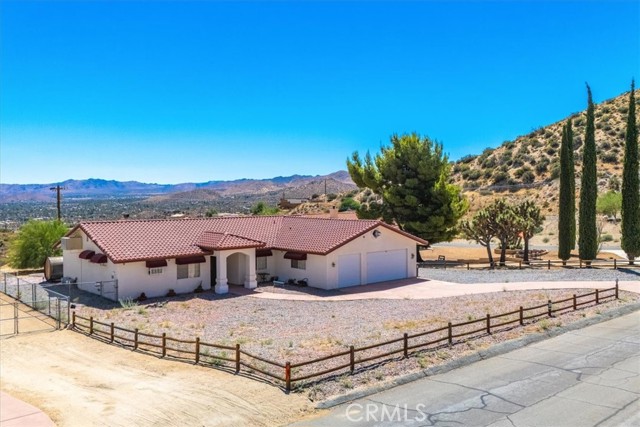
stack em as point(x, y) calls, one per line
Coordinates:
point(28, 306)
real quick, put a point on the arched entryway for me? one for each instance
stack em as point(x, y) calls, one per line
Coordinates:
point(237, 268)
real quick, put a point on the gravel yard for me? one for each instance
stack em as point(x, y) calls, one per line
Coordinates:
point(295, 331)
point(461, 275)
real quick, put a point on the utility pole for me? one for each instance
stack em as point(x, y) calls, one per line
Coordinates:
point(325, 187)
point(57, 189)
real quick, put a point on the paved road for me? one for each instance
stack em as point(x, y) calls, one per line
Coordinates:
point(588, 377)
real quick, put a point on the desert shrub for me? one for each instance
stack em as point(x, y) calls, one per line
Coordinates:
point(577, 142)
point(500, 177)
point(474, 174)
point(605, 145)
point(542, 166)
point(468, 158)
point(519, 172)
point(348, 204)
point(528, 177)
point(550, 151)
point(606, 238)
point(489, 162)
point(610, 158)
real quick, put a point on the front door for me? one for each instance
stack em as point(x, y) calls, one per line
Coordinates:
point(214, 270)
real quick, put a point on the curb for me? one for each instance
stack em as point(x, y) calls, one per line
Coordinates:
point(493, 351)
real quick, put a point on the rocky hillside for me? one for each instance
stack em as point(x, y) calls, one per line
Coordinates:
point(529, 165)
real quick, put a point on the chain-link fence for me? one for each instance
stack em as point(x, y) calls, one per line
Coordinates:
point(33, 301)
point(106, 288)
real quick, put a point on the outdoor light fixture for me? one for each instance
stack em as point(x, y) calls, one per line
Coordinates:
point(333, 264)
point(413, 256)
point(376, 233)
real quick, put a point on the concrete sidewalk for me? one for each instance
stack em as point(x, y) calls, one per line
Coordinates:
point(16, 413)
point(428, 289)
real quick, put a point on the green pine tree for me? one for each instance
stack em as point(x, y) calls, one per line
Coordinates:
point(411, 176)
point(630, 241)
point(588, 234)
point(567, 202)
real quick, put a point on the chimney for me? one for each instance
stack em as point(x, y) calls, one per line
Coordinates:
point(333, 212)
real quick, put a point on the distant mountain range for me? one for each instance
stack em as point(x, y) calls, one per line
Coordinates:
point(293, 186)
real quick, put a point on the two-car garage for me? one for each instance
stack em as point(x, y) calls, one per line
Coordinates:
point(379, 267)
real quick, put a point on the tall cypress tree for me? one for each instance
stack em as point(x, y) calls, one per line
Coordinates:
point(630, 241)
point(567, 202)
point(588, 234)
point(572, 181)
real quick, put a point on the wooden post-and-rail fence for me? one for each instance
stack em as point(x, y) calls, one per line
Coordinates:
point(287, 372)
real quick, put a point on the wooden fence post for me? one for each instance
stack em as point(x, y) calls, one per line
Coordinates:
point(111, 333)
point(597, 297)
point(237, 358)
point(575, 302)
point(468, 267)
point(352, 359)
point(135, 339)
point(197, 350)
point(488, 323)
point(73, 321)
point(521, 316)
point(406, 345)
point(616, 288)
point(287, 376)
point(548, 264)
point(450, 334)
point(580, 263)
point(91, 325)
point(615, 264)
point(519, 265)
point(549, 305)
point(164, 344)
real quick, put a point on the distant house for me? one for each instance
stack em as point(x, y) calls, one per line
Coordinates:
point(153, 256)
point(290, 203)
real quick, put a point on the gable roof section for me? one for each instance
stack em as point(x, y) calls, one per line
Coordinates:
point(140, 240)
point(212, 240)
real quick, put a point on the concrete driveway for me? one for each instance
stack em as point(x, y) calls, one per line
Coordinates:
point(588, 377)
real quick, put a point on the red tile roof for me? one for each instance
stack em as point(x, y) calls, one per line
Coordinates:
point(139, 240)
point(220, 241)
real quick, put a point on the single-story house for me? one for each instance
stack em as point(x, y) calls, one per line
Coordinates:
point(154, 256)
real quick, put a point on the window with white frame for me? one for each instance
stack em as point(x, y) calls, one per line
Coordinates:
point(188, 271)
point(261, 263)
point(154, 271)
point(299, 264)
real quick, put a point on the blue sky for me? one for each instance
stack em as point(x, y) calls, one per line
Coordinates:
point(177, 91)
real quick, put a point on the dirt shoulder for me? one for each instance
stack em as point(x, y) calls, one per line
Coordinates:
point(79, 381)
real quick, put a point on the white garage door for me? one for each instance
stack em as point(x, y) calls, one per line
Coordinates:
point(348, 270)
point(390, 265)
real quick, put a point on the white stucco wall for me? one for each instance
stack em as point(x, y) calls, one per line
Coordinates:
point(387, 241)
point(134, 278)
point(315, 272)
